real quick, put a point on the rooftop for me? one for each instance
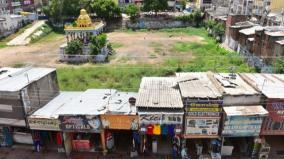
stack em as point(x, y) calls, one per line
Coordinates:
point(245, 110)
point(250, 31)
point(270, 85)
point(159, 92)
point(197, 85)
point(243, 24)
point(12, 79)
point(234, 86)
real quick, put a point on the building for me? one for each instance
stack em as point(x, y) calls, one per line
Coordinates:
point(23, 91)
point(160, 111)
point(272, 131)
point(203, 103)
point(241, 7)
point(271, 5)
point(96, 120)
point(242, 117)
point(3, 7)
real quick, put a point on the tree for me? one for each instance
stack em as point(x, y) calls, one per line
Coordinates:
point(97, 43)
point(106, 9)
point(155, 5)
point(197, 17)
point(74, 47)
point(132, 10)
point(278, 65)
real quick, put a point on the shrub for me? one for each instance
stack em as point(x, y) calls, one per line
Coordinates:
point(97, 43)
point(74, 47)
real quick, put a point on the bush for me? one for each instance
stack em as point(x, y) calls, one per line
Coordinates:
point(185, 18)
point(74, 47)
point(45, 29)
point(278, 65)
point(132, 10)
point(97, 43)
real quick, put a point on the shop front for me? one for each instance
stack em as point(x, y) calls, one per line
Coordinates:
point(160, 132)
point(82, 133)
point(241, 130)
point(201, 127)
point(273, 128)
point(121, 132)
point(46, 134)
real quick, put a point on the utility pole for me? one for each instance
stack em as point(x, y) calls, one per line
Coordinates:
point(282, 19)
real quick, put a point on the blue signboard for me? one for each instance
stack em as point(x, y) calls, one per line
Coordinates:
point(242, 126)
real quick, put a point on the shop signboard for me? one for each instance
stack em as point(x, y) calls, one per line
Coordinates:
point(242, 126)
point(80, 123)
point(146, 118)
point(201, 127)
point(43, 124)
point(120, 122)
point(273, 124)
point(204, 108)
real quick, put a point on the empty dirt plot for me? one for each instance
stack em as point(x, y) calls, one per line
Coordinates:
point(152, 47)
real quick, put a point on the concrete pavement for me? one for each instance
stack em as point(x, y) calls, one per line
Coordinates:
point(23, 39)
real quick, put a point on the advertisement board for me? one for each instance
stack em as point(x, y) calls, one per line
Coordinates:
point(273, 124)
point(242, 126)
point(80, 123)
point(205, 108)
point(145, 118)
point(121, 122)
point(196, 127)
point(43, 124)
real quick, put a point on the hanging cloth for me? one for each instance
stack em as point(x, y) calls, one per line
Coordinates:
point(157, 129)
point(150, 130)
point(58, 138)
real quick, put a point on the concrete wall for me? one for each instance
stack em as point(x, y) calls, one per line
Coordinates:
point(241, 100)
point(13, 100)
point(40, 92)
point(156, 24)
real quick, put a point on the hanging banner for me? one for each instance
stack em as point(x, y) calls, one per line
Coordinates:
point(121, 122)
point(43, 124)
point(160, 118)
point(80, 123)
point(273, 124)
point(201, 127)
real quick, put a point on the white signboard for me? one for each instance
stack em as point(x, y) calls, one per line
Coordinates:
point(160, 118)
point(202, 126)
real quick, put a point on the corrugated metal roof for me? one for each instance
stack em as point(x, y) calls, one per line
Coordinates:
point(235, 86)
point(50, 110)
point(159, 92)
point(245, 110)
point(271, 85)
point(20, 78)
point(197, 85)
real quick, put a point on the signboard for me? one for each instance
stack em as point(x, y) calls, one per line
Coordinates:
point(273, 124)
point(201, 126)
point(121, 122)
point(204, 108)
point(160, 118)
point(242, 126)
point(80, 123)
point(43, 124)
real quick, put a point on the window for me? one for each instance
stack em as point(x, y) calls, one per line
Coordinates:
point(6, 108)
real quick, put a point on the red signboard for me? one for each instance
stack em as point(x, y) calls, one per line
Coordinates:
point(273, 124)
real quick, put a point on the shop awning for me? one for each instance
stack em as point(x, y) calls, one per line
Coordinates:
point(12, 122)
point(245, 110)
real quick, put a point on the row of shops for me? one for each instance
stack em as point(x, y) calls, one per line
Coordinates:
point(191, 115)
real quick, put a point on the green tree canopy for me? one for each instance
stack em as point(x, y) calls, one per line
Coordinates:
point(106, 9)
point(155, 5)
point(74, 47)
point(132, 10)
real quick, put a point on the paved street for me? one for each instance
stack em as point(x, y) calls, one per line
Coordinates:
point(27, 153)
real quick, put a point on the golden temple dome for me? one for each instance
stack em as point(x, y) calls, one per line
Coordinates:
point(84, 19)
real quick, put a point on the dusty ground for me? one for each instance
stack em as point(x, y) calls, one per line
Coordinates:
point(147, 47)
point(133, 47)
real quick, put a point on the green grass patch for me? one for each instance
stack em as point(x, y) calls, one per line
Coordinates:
point(123, 77)
point(50, 37)
point(116, 45)
point(45, 30)
point(181, 47)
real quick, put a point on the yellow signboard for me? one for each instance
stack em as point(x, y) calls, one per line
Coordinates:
point(204, 109)
point(121, 122)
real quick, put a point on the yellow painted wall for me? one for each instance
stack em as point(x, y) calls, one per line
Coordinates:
point(276, 5)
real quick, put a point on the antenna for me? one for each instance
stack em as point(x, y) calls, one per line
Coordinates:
point(27, 75)
point(263, 84)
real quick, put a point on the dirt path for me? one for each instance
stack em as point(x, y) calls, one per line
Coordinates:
point(41, 54)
